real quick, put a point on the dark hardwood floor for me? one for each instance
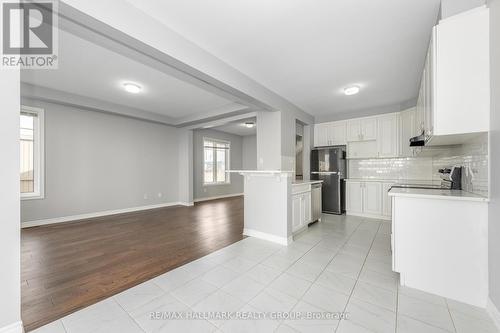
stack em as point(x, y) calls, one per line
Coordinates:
point(66, 267)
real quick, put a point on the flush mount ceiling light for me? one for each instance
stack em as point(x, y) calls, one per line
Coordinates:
point(132, 88)
point(352, 90)
point(249, 124)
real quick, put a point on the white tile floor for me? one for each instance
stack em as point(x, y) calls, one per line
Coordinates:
point(340, 265)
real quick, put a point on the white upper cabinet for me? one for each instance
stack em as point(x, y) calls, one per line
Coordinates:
point(338, 133)
point(388, 135)
point(462, 80)
point(362, 129)
point(321, 135)
point(454, 96)
point(330, 134)
point(407, 130)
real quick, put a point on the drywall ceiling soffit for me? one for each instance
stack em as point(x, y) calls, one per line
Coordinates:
point(85, 27)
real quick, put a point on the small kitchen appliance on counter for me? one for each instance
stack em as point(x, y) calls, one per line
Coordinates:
point(451, 178)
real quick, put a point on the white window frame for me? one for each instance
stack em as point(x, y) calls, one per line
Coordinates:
point(228, 163)
point(39, 153)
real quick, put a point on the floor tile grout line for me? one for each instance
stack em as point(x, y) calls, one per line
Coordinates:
point(129, 315)
point(449, 312)
point(359, 274)
point(345, 242)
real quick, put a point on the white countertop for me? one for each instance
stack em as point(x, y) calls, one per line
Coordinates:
point(436, 194)
point(395, 181)
point(301, 182)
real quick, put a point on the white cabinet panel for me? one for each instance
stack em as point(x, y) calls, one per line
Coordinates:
point(306, 198)
point(407, 131)
point(362, 129)
point(368, 129)
point(330, 134)
point(372, 198)
point(368, 198)
point(386, 200)
point(337, 133)
point(462, 101)
point(354, 197)
point(301, 210)
point(387, 139)
point(362, 149)
point(354, 130)
point(296, 212)
point(321, 135)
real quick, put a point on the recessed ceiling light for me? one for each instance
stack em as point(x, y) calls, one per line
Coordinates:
point(352, 90)
point(249, 124)
point(132, 88)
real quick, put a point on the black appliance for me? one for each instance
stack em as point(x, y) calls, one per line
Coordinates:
point(329, 165)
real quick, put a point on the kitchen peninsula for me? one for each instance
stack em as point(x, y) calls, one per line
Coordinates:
point(276, 207)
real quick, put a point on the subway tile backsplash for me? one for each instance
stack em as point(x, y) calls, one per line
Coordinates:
point(473, 156)
point(408, 168)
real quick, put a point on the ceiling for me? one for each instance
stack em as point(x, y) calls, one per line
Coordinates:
point(308, 51)
point(238, 127)
point(93, 71)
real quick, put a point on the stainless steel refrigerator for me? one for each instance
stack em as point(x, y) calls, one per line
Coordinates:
point(329, 165)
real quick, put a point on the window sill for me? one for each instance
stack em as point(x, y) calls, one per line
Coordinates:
point(32, 197)
point(216, 184)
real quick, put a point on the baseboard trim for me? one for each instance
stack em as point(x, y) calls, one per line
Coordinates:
point(378, 217)
point(16, 327)
point(218, 197)
point(493, 312)
point(268, 237)
point(71, 218)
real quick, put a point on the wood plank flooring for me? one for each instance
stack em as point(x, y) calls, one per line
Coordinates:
point(66, 267)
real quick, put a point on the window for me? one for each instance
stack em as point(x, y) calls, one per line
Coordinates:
point(31, 144)
point(215, 161)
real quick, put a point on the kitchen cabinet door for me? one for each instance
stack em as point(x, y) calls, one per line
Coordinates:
point(368, 128)
point(362, 149)
point(387, 138)
point(321, 135)
point(306, 200)
point(296, 212)
point(354, 130)
point(372, 198)
point(429, 88)
point(462, 72)
point(386, 200)
point(354, 197)
point(407, 131)
point(337, 133)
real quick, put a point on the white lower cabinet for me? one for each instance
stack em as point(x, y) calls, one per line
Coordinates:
point(386, 200)
point(367, 198)
point(301, 210)
point(372, 198)
point(354, 197)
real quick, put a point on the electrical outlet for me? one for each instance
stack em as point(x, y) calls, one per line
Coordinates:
point(205, 190)
point(145, 196)
point(160, 194)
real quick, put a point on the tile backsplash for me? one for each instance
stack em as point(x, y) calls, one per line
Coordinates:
point(473, 156)
point(407, 168)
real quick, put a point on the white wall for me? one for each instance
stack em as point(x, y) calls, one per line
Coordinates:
point(10, 287)
point(494, 207)
point(97, 162)
point(250, 152)
point(236, 163)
